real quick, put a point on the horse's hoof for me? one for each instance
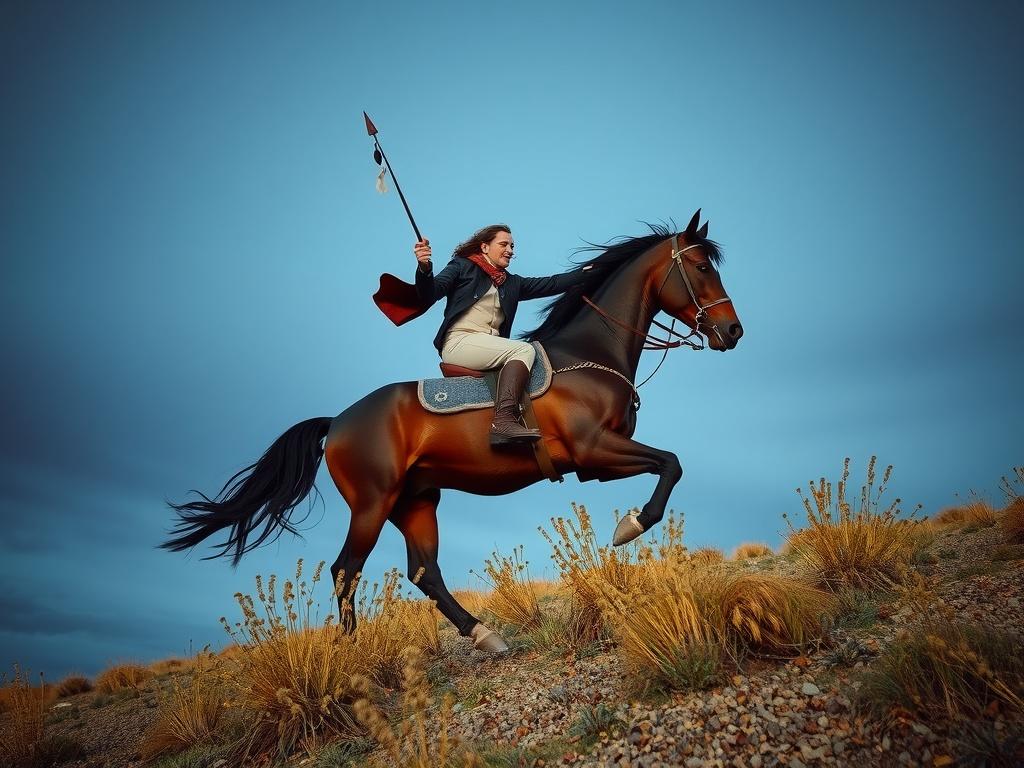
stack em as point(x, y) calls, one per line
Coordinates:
point(627, 530)
point(485, 639)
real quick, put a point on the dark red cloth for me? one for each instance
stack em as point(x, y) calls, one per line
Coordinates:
point(398, 300)
point(496, 274)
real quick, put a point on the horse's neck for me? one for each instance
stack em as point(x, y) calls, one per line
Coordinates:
point(589, 336)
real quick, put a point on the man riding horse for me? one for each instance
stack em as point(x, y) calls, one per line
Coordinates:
point(593, 335)
point(482, 298)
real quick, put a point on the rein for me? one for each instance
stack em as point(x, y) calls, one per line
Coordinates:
point(652, 342)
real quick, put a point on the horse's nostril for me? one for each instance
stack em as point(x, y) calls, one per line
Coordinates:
point(735, 330)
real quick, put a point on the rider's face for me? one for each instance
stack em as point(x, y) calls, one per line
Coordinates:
point(500, 250)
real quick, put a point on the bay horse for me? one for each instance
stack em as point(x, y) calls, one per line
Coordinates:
point(390, 458)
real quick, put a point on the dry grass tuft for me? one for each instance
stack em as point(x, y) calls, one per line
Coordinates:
point(690, 619)
point(421, 740)
point(473, 600)
point(166, 666)
point(291, 683)
point(389, 622)
point(73, 685)
point(189, 715)
point(547, 588)
point(943, 668)
point(707, 556)
point(749, 551)
point(775, 614)
point(948, 669)
point(976, 512)
point(513, 598)
point(292, 680)
point(591, 572)
point(845, 548)
point(669, 637)
point(1013, 521)
point(1013, 487)
point(22, 730)
point(122, 677)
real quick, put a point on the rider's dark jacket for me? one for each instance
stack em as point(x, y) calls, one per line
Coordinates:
point(464, 283)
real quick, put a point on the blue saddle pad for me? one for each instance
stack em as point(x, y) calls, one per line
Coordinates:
point(463, 393)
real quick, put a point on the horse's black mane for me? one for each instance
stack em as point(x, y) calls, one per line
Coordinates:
point(603, 266)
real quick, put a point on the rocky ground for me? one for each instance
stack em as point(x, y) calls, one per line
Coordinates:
point(530, 707)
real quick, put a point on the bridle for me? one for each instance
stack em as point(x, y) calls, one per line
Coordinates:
point(651, 341)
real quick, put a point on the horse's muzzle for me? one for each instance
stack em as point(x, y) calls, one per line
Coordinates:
point(725, 335)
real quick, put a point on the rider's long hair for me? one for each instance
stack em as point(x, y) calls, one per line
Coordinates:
point(472, 244)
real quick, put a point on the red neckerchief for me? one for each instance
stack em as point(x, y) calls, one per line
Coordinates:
point(496, 274)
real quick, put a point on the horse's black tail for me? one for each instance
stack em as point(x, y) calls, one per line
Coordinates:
point(283, 476)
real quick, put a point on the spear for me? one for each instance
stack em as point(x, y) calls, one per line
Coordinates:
point(379, 156)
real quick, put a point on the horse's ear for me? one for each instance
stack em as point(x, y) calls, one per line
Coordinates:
point(691, 228)
point(703, 231)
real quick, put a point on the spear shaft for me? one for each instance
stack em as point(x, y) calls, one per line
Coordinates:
point(371, 129)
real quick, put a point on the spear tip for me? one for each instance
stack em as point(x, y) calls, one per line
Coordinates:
point(371, 129)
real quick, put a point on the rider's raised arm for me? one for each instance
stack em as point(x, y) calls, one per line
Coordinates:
point(539, 287)
point(431, 287)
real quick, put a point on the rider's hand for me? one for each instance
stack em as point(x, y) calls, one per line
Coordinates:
point(422, 252)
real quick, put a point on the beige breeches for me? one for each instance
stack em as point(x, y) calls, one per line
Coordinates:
point(481, 351)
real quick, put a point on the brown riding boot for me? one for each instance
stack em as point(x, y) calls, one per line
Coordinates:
point(505, 428)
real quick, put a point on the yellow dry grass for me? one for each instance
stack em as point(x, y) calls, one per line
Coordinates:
point(706, 556)
point(25, 718)
point(291, 683)
point(189, 715)
point(166, 666)
point(676, 617)
point(944, 668)
point(591, 571)
point(543, 588)
point(1012, 523)
point(389, 623)
point(751, 550)
point(689, 619)
point(774, 614)
point(73, 685)
point(473, 600)
point(846, 548)
point(669, 635)
point(421, 740)
point(121, 677)
point(512, 597)
point(976, 512)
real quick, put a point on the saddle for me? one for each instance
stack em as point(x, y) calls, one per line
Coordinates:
point(464, 389)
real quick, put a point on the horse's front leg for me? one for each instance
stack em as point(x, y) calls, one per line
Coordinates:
point(611, 456)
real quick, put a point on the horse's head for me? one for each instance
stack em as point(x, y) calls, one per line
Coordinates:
point(687, 286)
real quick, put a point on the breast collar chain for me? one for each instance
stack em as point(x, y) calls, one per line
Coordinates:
point(653, 342)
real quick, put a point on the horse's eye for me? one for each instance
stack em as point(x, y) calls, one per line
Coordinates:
point(703, 268)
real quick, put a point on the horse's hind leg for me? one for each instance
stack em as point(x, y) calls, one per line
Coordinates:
point(362, 536)
point(371, 493)
point(416, 517)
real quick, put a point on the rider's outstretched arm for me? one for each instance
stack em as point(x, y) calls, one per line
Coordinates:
point(539, 287)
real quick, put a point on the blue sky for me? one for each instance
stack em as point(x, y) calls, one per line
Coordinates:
point(190, 236)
